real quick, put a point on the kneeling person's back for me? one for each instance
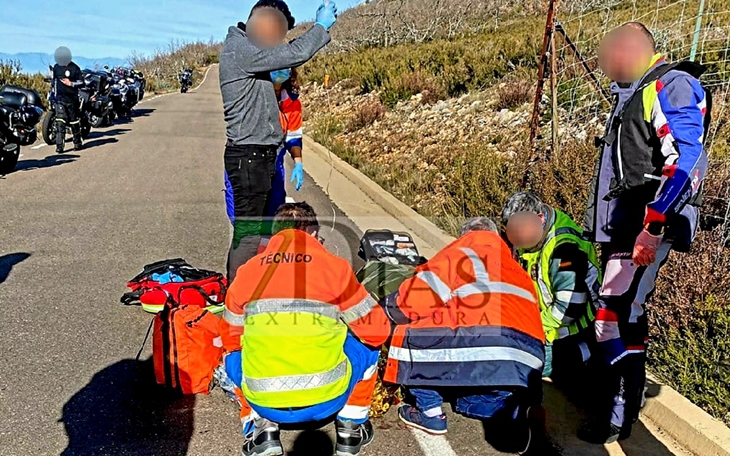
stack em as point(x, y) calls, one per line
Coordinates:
point(289, 310)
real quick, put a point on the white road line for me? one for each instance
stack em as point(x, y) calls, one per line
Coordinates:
point(38, 146)
point(433, 445)
point(290, 200)
point(205, 76)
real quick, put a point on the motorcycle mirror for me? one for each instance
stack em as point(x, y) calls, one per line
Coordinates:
point(106, 67)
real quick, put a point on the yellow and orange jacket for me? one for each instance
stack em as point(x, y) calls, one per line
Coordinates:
point(469, 317)
point(290, 309)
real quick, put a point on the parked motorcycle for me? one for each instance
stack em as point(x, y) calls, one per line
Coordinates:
point(20, 111)
point(128, 89)
point(50, 126)
point(95, 94)
point(186, 80)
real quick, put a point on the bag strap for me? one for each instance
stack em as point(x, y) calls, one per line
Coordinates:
point(144, 342)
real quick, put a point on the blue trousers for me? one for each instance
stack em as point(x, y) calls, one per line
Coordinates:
point(487, 404)
point(362, 358)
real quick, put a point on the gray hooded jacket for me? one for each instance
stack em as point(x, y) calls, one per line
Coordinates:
point(250, 107)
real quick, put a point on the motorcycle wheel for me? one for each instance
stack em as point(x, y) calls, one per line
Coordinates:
point(49, 128)
point(9, 158)
point(96, 121)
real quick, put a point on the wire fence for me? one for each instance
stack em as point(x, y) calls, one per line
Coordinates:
point(683, 29)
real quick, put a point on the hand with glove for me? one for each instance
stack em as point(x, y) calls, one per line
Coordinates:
point(327, 14)
point(297, 175)
point(646, 247)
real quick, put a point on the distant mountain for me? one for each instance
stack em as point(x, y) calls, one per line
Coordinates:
point(35, 62)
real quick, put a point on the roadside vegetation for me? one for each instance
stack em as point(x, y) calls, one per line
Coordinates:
point(384, 92)
point(11, 72)
point(161, 69)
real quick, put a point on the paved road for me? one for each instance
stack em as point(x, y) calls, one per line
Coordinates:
point(75, 227)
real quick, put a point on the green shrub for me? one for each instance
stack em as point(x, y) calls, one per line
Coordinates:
point(11, 73)
point(442, 68)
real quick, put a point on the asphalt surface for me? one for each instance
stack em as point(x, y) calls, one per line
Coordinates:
point(75, 228)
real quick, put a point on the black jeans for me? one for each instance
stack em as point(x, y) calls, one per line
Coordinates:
point(67, 113)
point(250, 172)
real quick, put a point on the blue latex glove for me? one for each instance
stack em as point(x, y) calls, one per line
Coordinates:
point(297, 175)
point(327, 14)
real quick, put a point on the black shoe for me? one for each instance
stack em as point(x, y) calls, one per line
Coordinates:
point(59, 149)
point(264, 441)
point(351, 437)
point(78, 146)
point(602, 432)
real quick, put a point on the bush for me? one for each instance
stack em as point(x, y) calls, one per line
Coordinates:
point(10, 73)
point(366, 114)
point(442, 68)
point(515, 92)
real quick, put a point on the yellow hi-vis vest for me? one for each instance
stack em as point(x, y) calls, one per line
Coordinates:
point(562, 230)
point(293, 353)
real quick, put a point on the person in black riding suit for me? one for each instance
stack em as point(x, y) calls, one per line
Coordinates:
point(67, 78)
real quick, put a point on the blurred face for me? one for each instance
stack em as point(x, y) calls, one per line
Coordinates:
point(525, 229)
point(267, 27)
point(625, 54)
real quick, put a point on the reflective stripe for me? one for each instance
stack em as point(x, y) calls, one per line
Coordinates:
point(465, 355)
point(233, 318)
point(354, 412)
point(571, 297)
point(359, 310)
point(592, 281)
point(481, 285)
point(484, 285)
point(436, 284)
point(267, 306)
point(296, 382)
point(370, 372)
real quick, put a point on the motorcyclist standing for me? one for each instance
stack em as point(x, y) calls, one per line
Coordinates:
point(67, 78)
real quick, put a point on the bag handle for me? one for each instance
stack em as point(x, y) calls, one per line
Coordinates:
point(200, 290)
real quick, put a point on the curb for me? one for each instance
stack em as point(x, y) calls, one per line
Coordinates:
point(690, 426)
point(415, 222)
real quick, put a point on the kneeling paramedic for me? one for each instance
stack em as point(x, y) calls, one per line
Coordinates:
point(468, 326)
point(67, 78)
point(302, 336)
point(565, 270)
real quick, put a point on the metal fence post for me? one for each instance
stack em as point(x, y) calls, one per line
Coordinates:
point(698, 27)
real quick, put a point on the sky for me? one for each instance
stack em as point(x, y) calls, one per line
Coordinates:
point(96, 29)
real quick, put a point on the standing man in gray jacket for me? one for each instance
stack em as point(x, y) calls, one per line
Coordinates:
point(250, 53)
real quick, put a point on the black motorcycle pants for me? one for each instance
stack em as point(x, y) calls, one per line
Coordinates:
point(250, 176)
point(67, 114)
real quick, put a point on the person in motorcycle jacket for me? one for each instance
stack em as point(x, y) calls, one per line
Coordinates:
point(67, 78)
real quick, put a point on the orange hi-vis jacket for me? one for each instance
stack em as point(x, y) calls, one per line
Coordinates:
point(290, 309)
point(469, 317)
